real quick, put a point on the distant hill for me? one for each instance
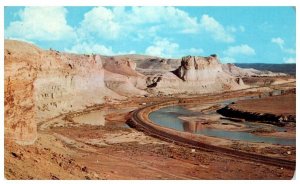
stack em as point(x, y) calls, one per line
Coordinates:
point(284, 68)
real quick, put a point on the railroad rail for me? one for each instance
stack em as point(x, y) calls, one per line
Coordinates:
point(182, 138)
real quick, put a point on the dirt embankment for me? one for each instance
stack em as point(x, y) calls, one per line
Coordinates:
point(70, 150)
point(276, 110)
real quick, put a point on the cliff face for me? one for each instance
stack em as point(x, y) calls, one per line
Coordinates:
point(42, 84)
point(67, 82)
point(196, 75)
point(19, 108)
point(198, 68)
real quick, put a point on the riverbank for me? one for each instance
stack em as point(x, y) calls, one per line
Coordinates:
point(70, 149)
point(276, 110)
point(142, 122)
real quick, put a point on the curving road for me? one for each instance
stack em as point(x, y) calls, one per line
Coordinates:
point(144, 124)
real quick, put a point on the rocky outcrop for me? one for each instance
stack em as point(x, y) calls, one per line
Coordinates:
point(279, 120)
point(123, 66)
point(19, 108)
point(122, 78)
point(196, 75)
point(64, 80)
point(276, 107)
point(41, 84)
point(198, 68)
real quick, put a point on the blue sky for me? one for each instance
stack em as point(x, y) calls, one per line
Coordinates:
point(235, 34)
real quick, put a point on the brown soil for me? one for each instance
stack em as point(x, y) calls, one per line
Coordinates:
point(69, 150)
point(73, 156)
point(278, 105)
point(44, 88)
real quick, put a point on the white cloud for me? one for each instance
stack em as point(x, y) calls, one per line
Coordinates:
point(228, 60)
point(280, 42)
point(121, 24)
point(139, 22)
point(91, 48)
point(41, 23)
point(162, 48)
point(210, 25)
point(234, 29)
point(239, 50)
point(194, 51)
point(170, 17)
point(88, 48)
point(289, 50)
point(289, 60)
point(100, 21)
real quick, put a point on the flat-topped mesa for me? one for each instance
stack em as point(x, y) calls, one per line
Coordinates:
point(196, 68)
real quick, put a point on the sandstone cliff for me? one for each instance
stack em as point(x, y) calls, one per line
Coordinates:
point(42, 84)
point(196, 75)
point(20, 74)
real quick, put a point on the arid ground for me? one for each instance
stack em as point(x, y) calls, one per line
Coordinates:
point(66, 116)
point(67, 149)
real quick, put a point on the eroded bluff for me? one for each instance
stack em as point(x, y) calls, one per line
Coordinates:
point(196, 75)
point(198, 68)
point(41, 84)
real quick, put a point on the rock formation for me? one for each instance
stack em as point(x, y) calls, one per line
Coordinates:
point(41, 84)
point(122, 78)
point(196, 75)
point(198, 68)
point(20, 73)
point(278, 120)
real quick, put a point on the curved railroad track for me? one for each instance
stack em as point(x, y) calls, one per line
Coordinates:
point(136, 121)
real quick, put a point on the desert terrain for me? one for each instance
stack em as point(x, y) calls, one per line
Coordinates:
point(69, 116)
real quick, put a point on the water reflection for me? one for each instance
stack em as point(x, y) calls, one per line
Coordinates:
point(193, 126)
point(98, 117)
point(169, 117)
point(92, 118)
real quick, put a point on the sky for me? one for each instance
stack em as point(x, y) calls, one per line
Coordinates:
point(235, 34)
